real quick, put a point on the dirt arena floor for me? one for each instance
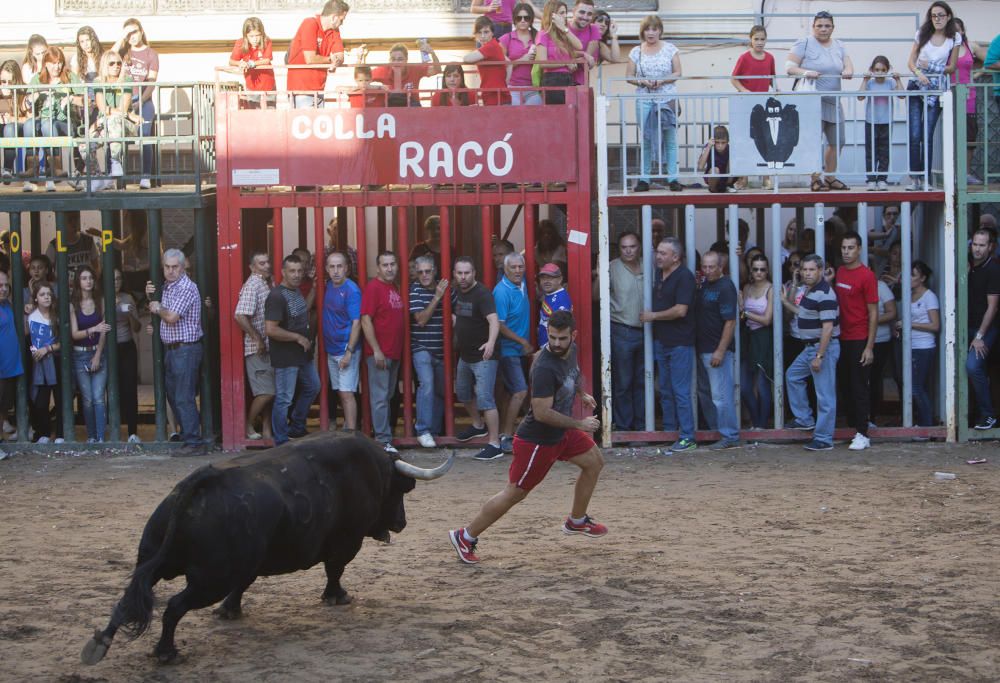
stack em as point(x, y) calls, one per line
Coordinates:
point(765, 564)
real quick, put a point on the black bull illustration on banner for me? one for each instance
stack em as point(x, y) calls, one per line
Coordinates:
point(774, 130)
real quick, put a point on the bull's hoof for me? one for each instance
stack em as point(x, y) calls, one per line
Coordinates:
point(166, 656)
point(342, 599)
point(227, 614)
point(95, 649)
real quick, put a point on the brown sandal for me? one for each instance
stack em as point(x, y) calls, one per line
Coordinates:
point(835, 184)
point(817, 184)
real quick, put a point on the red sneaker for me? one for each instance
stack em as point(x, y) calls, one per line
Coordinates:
point(466, 551)
point(588, 528)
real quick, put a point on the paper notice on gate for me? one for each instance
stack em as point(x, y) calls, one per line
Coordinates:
point(255, 176)
point(578, 237)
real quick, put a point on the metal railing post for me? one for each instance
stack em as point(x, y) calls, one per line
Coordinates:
point(649, 369)
point(111, 318)
point(202, 252)
point(906, 268)
point(734, 276)
point(153, 218)
point(953, 148)
point(778, 319)
point(603, 265)
point(65, 334)
point(17, 301)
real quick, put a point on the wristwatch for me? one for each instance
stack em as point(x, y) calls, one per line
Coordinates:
point(979, 336)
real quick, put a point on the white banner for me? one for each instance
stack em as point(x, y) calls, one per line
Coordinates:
point(774, 134)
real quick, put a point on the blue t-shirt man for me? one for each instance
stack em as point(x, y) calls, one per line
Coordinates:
point(341, 307)
point(556, 301)
point(514, 311)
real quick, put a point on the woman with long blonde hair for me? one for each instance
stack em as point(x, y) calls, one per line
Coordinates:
point(555, 43)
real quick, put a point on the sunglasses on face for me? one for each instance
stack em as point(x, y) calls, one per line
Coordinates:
point(114, 63)
point(523, 17)
point(759, 270)
point(6, 82)
point(939, 16)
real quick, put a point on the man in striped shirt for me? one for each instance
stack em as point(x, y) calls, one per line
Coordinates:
point(427, 345)
point(817, 323)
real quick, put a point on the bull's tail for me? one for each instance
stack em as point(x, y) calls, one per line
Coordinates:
point(134, 611)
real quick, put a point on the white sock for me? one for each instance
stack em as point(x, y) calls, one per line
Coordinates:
point(467, 538)
point(578, 522)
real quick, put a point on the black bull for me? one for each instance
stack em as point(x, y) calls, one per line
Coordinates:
point(274, 512)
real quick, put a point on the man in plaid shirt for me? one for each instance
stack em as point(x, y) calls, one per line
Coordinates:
point(250, 317)
point(179, 310)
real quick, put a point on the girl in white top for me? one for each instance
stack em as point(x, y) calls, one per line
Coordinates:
point(925, 322)
point(32, 63)
point(85, 61)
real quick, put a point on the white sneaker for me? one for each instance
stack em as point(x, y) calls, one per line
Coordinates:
point(389, 448)
point(116, 169)
point(8, 428)
point(872, 186)
point(144, 184)
point(427, 441)
point(101, 185)
point(60, 440)
point(28, 187)
point(134, 438)
point(50, 186)
point(883, 186)
point(42, 439)
point(916, 184)
point(860, 442)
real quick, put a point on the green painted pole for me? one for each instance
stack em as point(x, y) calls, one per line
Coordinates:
point(17, 300)
point(65, 334)
point(153, 218)
point(208, 319)
point(961, 271)
point(111, 317)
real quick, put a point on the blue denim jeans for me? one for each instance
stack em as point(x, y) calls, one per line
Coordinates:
point(922, 128)
point(923, 366)
point(92, 386)
point(659, 143)
point(381, 387)
point(825, 382)
point(13, 159)
point(44, 128)
point(181, 375)
point(628, 384)
point(430, 393)
point(755, 389)
point(286, 380)
point(721, 382)
point(148, 115)
point(675, 365)
point(978, 373)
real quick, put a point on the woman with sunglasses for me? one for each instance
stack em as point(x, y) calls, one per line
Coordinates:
point(519, 47)
point(14, 109)
point(143, 64)
point(610, 51)
point(115, 118)
point(823, 61)
point(555, 43)
point(500, 13)
point(757, 367)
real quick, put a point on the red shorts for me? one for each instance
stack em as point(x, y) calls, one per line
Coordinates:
point(533, 461)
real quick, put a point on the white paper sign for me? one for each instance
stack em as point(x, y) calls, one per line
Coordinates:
point(255, 176)
point(577, 237)
point(777, 134)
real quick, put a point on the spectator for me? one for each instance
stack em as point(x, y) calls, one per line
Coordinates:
point(816, 321)
point(14, 108)
point(992, 62)
point(454, 91)
point(115, 117)
point(431, 246)
point(43, 337)
point(476, 331)
point(10, 354)
point(970, 55)
point(610, 51)
point(823, 61)
point(143, 65)
point(673, 318)
point(306, 286)
point(714, 161)
point(89, 333)
point(179, 310)
point(87, 57)
point(892, 270)
point(382, 321)
point(983, 298)
point(499, 12)
point(31, 65)
point(514, 316)
point(250, 316)
point(878, 120)
point(555, 43)
point(499, 251)
point(659, 229)
point(925, 323)
point(365, 92)
point(39, 273)
point(333, 244)
point(627, 355)
point(754, 62)
point(883, 349)
point(492, 77)
point(554, 298)
point(716, 330)
point(317, 41)
point(81, 250)
point(403, 79)
point(290, 338)
point(519, 48)
point(857, 299)
point(757, 367)
point(253, 55)
point(550, 247)
point(790, 240)
point(582, 26)
point(654, 67)
point(427, 347)
point(127, 325)
point(341, 334)
point(53, 109)
point(881, 240)
point(932, 60)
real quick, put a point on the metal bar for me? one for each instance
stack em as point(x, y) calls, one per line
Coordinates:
point(778, 318)
point(863, 230)
point(529, 268)
point(65, 333)
point(486, 245)
point(690, 251)
point(319, 286)
point(649, 370)
point(403, 251)
point(153, 220)
point(17, 298)
point(906, 254)
point(820, 223)
point(603, 266)
point(950, 256)
point(208, 320)
point(734, 276)
point(449, 389)
point(361, 244)
point(277, 246)
point(111, 318)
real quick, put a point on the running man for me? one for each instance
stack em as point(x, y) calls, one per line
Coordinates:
point(548, 433)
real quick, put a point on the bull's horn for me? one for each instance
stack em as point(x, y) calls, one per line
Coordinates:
point(414, 472)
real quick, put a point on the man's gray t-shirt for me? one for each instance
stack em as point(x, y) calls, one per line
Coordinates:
point(556, 377)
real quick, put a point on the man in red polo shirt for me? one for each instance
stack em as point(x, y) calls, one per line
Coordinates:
point(316, 42)
point(857, 296)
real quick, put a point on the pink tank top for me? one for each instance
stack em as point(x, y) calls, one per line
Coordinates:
point(963, 74)
point(757, 307)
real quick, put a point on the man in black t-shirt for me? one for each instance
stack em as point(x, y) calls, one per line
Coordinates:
point(984, 299)
point(286, 323)
point(548, 433)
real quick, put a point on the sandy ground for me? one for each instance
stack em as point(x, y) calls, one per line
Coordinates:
point(766, 564)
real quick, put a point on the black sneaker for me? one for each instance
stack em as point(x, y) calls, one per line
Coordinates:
point(986, 423)
point(506, 443)
point(802, 427)
point(641, 186)
point(489, 452)
point(815, 445)
point(472, 432)
point(675, 186)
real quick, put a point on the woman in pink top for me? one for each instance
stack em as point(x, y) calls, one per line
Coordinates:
point(969, 56)
point(501, 13)
point(757, 366)
point(556, 44)
point(519, 47)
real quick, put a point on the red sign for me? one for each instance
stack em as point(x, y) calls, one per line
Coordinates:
point(405, 145)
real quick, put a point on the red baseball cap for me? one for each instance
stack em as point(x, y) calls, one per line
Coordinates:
point(550, 269)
